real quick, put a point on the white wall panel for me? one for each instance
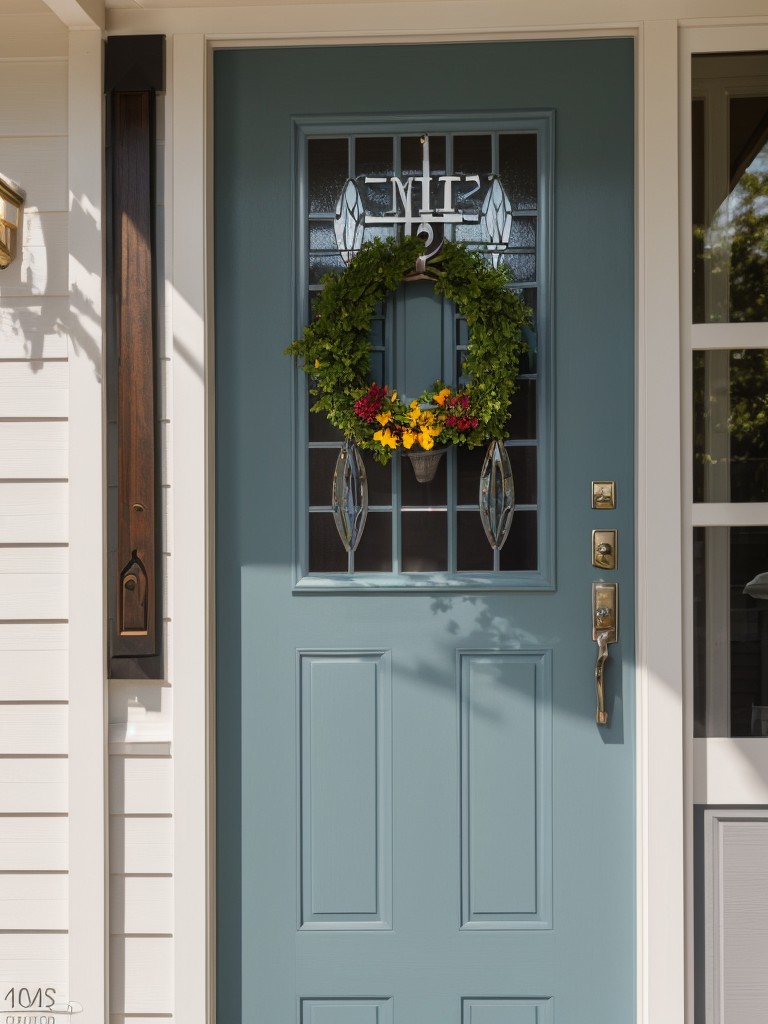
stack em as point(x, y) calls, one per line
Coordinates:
point(141, 845)
point(33, 450)
point(33, 785)
point(141, 904)
point(33, 513)
point(41, 266)
point(33, 902)
point(33, 328)
point(39, 165)
point(33, 728)
point(32, 959)
point(140, 785)
point(33, 844)
point(33, 661)
point(34, 98)
point(40, 34)
point(141, 975)
point(33, 583)
point(33, 389)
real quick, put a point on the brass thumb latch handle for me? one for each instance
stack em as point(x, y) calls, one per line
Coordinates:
point(605, 600)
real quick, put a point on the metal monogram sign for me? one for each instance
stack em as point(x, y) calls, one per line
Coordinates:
point(423, 204)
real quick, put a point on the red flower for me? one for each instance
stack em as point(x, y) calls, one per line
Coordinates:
point(368, 407)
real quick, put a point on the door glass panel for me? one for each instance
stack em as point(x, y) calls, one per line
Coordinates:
point(730, 188)
point(731, 631)
point(435, 526)
point(730, 428)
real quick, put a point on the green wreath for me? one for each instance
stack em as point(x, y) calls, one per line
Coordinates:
point(336, 351)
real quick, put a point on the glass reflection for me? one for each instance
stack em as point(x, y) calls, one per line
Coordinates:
point(730, 188)
point(730, 428)
point(731, 631)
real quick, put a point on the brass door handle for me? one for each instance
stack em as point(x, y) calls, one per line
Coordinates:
point(605, 602)
point(601, 716)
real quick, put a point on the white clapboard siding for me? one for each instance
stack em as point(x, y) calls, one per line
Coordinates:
point(33, 661)
point(140, 785)
point(32, 450)
point(41, 165)
point(33, 843)
point(32, 960)
point(42, 263)
point(34, 388)
point(141, 974)
point(35, 903)
point(34, 98)
point(33, 729)
point(141, 845)
point(33, 328)
point(31, 31)
point(33, 785)
point(33, 513)
point(33, 583)
point(141, 904)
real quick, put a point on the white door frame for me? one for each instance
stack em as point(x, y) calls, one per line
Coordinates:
point(659, 705)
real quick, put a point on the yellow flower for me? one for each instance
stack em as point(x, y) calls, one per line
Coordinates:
point(317, 364)
point(394, 396)
point(415, 414)
point(386, 437)
point(441, 396)
point(409, 439)
point(426, 440)
point(384, 418)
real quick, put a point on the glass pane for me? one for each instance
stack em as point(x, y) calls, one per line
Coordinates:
point(730, 428)
point(518, 169)
point(322, 235)
point(469, 464)
point(424, 541)
point(379, 481)
point(328, 162)
point(731, 631)
point(522, 419)
point(520, 551)
point(374, 553)
point(473, 552)
point(730, 188)
point(326, 552)
point(411, 155)
point(522, 266)
point(320, 429)
point(322, 462)
point(429, 493)
point(319, 266)
point(374, 157)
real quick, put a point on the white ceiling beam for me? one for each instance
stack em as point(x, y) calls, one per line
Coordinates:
point(79, 13)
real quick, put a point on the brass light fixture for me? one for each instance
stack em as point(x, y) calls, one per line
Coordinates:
point(10, 204)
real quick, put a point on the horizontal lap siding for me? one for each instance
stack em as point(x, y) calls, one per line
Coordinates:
point(34, 565)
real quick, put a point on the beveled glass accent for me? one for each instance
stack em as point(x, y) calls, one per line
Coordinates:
point(497, 495)
point(349, 501)
point(496, 219)
point(349, 224)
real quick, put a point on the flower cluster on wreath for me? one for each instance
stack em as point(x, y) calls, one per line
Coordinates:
point(335, 350)
point(439, 416)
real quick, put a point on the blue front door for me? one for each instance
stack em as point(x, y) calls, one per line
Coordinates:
point(418, 819)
